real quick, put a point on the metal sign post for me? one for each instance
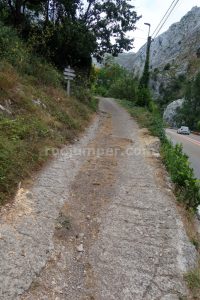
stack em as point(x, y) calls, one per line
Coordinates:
point(69, 75)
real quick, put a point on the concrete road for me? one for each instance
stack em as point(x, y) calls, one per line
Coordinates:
point(98, 222)
point(191, 146)
point(126, 240)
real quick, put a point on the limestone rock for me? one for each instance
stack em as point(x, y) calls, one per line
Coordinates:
point(79, 248)
point(5, 110)
point(171, 111)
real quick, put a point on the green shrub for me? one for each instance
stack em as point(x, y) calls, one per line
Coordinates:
point(144, 96)
point(181, 174)
point(153, 107)
point(193, 280)
point(124, 88)
point(15, 52)
point(100, 90)
point(23, 127)
point(114, 81)
point(43, 72)
point(167, 67)
point(11, 47)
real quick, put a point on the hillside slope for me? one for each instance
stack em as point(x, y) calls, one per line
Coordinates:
point(35, 112)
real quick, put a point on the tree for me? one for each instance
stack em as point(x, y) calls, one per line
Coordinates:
point(144, 81)
point(189, 114)
point(110, 21)
point(20, 10)
point(69, 32)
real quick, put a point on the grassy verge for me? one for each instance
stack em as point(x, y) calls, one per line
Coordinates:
point(193, 281)
point(176, 162)
point(187, 188)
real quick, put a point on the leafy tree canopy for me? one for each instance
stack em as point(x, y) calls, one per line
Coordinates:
point(69, 32)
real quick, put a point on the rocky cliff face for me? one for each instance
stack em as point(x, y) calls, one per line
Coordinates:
point(171, 111)
point(180, 43)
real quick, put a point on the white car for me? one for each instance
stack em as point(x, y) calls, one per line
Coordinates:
point(183, 130)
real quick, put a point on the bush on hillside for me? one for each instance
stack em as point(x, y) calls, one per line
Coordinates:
point(15, 52)
point(11, 47)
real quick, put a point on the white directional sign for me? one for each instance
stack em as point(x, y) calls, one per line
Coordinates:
point(69, 74)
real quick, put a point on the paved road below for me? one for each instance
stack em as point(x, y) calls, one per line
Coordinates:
point(191, 146)
point(98, 224)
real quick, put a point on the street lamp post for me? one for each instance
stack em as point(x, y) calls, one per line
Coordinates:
point(149, 25)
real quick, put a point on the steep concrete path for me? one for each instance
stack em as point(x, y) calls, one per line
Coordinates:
point(100, 223)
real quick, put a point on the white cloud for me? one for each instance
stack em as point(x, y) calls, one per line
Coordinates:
point(152, 11)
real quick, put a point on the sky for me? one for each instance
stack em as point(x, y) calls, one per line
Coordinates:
point(152, 12)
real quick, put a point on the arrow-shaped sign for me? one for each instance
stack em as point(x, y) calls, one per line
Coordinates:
point(69, 70)
point(69, 74)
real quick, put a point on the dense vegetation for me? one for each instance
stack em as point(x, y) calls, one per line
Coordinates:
point(115, 81)
point(190, 112)
point(68, 32)
point(173, 91)
point(179, 87)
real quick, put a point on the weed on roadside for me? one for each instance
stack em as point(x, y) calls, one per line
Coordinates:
point(195, 242)
point(193, 281)
point(64, 221)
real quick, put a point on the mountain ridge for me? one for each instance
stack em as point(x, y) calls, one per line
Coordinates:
point(174, 42)
point(180, 42)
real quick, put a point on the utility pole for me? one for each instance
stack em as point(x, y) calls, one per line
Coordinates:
point(144, 81)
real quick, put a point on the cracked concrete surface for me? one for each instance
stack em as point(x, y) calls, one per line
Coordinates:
point(27, 226)
point(118, 207)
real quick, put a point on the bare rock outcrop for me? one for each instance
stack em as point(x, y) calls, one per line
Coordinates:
point(171, 112)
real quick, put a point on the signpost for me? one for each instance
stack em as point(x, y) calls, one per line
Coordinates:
point(69, 75)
